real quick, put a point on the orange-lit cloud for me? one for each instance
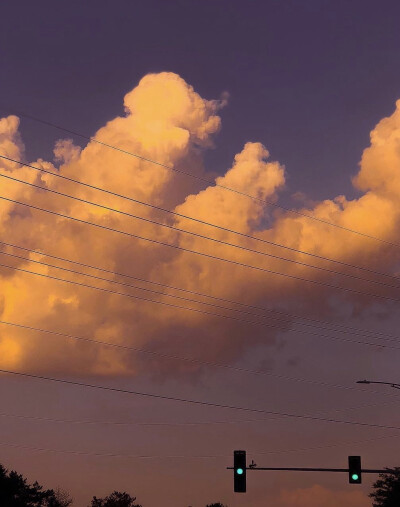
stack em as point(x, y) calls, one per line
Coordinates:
point(167, 121)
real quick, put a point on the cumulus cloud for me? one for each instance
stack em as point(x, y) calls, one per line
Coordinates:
point(65, 151)
point(167, 121)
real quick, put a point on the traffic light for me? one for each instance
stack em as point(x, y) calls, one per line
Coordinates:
point(354, 469)
point(239, 471)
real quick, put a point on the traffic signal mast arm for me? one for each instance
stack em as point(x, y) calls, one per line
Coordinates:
point(364, 471)
point(354, 470)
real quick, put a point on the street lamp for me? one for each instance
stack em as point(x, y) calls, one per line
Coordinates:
point(391, 384)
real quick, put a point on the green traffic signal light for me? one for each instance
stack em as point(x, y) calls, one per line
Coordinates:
point(355, 470)
point(239, 467)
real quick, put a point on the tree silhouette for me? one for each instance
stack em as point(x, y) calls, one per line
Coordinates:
point(62, 497)
point(15, 492)
point(116, 499)
point(387, 490)
point(218, 504)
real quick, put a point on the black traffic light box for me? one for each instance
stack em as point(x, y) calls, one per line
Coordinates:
point(355, 469)
point(239, 471)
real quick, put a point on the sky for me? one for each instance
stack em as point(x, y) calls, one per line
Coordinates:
point(224, 113)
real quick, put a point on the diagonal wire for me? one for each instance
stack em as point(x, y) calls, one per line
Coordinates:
point(237, 263)
point(230, 317)
point(139, 423)
point(214, 456)
point(208, 181)
point(212, 305)
point(190, 360)
point(200, 402)
point(331, 327)
point(183, 231)
point(342, 263)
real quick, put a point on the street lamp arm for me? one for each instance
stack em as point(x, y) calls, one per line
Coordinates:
point(391, 384)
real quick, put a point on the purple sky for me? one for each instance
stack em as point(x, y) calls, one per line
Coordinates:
point(309, 80)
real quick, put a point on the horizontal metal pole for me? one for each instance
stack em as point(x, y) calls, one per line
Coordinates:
point(305, 469)
point(346, 470)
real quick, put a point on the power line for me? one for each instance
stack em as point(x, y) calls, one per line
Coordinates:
point(206, 180)
point(171, 227)
point(333, 327)
point(193, 360)
point(185, 299)
point(318, 447)
point(202, 403)
point(187, 359)
point(126, 295)
point(278, 245)
point(144, 423)
point(117, 455)
point(214, 456)
point(308, 333)
point(132, 423)
point(105, 455)
point(213, 305)
point(237, 263)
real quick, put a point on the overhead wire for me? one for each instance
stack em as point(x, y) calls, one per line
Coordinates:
point(124, 284)
point(206, 180)
point(210, 256)
point(321, 447)
point(345, 274)
point(248, 236)
point(213, 456)
point(96, 454)
point(283, 314)
point(231, 317)
point(164, 423)
point(200, 402)
point(192, 360)
point(213, 239)
point(204, 303)
point(243, 370)
point(140, 423)
point(43, 275)
point(219, 241)
point(278, 321)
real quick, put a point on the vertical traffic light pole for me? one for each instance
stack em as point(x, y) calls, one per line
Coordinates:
point(354, 470)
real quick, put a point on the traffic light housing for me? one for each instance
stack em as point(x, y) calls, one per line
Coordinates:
point(239, 471)
point(354, 469)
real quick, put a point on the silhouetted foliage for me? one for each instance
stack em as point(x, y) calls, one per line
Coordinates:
point(218, 504)
point(15, 492)
point(387, 490)
point(116, 499)
point(63, 498)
